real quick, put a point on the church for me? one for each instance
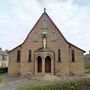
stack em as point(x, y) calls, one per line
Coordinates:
point(46, 51)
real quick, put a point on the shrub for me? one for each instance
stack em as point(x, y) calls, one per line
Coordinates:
point(0, 80)
point(87, 70)
point(3, 70)
point(82, 84)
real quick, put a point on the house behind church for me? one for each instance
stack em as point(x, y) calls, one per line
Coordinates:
point(4, 58)
point(45, 50)
point(87, 59)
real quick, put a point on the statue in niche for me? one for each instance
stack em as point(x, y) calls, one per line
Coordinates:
point(44, 42)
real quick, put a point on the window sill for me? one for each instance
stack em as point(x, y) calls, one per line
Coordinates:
point(30, 62)
point(58, 61)
point(35, 41)
point(53, 40)
point(72, 62)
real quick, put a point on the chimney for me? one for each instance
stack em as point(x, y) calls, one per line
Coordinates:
point(6, 50)
point(0, 49)
point(89, 51)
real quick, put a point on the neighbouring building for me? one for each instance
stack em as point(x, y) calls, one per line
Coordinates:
point(45, 50)
point(4, 58)
point(87, 59)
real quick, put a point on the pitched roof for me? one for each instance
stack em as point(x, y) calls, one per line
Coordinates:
point(3, 53)
point(87, 56)
point(55, 26)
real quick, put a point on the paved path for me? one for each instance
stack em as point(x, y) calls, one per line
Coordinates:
point(11, 83)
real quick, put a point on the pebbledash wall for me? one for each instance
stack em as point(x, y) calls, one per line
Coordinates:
point(54, 41)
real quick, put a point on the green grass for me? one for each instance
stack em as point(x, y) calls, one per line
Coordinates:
point(87, 70)
point(3, 70)
point(1, 79)
point(82, 84)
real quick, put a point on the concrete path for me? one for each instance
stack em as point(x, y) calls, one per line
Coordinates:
point(10, 83)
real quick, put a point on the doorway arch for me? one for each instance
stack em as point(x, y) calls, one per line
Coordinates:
point(48, 64)
point(39, 64)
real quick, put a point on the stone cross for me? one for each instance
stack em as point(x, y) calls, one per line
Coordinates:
point(44, 10)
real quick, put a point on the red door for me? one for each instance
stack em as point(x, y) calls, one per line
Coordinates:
point(39, 64)
point(48, 64)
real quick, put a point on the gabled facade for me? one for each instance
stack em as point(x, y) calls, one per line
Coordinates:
point(45, 50)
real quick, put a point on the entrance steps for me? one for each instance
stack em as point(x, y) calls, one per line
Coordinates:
point(43, 77)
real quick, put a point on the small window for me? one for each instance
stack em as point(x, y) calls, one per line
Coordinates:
point(3, 57)
point(53, 36)
point(29, 56)
point(18, 56)
point(35, 37)
point(44, 23)
point(73, 56)
point(59, 55)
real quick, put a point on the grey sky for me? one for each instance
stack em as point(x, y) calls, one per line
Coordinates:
point(17, 17)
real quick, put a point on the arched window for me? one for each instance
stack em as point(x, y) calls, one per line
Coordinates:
point(59, 55)
point(73, 55)
point(44, 23)
point(35, 37)
point(29, 55)
point(18, 56)
point(53, 36)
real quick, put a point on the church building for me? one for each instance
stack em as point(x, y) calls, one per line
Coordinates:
point(46, 51)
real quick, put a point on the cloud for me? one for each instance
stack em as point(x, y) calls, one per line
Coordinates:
point(17, 18)
point(82, 2)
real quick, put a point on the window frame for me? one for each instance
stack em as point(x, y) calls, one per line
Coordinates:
point(59, 55)
point(35, 37)
point(53, 37)
point(18, 56)
point(29, 55)
point(44, 23)
point(3, 57)
point(73, 56)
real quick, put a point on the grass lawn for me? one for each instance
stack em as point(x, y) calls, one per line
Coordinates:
point(1, 79)
point(87, 70)
point(81, 84)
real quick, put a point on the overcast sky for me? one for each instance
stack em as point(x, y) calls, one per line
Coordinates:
point(17, 17)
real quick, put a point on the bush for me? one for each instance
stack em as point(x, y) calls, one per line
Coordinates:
point(3, 70)
point(0, 80)
point(82, 84)
point(87, 70)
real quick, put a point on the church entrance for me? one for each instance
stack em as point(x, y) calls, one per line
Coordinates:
point(48, 64)
point(44, 62)
point(39, 64)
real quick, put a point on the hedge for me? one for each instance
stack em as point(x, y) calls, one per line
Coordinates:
point(87, 70)
point(3, 70)
point(0, 80)
point(82, 84)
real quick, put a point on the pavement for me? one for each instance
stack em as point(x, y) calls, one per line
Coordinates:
point(10, 83)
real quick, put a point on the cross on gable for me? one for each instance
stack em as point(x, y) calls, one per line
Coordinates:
point(44, 10)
